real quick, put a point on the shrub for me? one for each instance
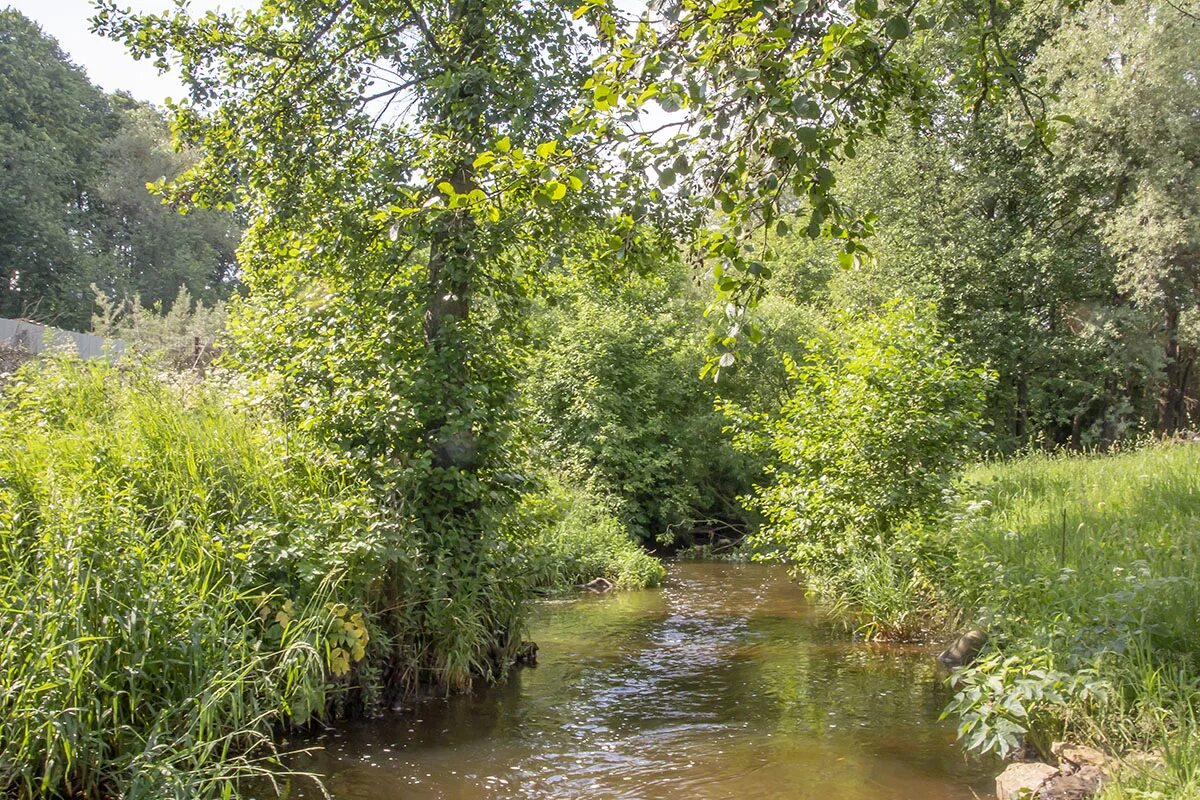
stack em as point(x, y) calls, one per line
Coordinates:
point(183, 335)
point(880, 416)
point(619, 407)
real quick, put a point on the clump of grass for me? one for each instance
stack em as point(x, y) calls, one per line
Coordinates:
point(889, 597)
point(159, 618)
point(568, 538)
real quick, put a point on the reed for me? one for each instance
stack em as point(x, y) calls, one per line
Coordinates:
point(145, 651)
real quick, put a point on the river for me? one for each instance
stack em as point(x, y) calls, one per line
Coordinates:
point(726, 683)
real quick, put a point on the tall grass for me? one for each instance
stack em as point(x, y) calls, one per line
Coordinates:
point(151, 637)
point(1086, 569)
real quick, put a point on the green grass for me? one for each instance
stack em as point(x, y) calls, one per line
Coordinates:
point(568, 538)
point(1109, 546)
point(180, 578)
point(141, 654)
point(1085, 571)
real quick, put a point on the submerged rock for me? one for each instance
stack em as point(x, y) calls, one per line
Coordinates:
point(964, 649)
point(1023, 780)
point(526, 655)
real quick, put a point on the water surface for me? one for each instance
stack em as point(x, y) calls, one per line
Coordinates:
point(726, 683)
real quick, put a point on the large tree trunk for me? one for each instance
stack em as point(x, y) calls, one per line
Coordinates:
point(451, 269)
point(448, 424)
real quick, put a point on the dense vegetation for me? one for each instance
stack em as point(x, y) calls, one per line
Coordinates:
point(73, 198)
point(495, 337)
point(181, 575)
point(1085, 571)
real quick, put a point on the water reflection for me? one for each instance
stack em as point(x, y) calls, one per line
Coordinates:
point(727, 683)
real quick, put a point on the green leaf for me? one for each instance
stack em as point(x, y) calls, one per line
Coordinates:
point(867, 9)
point(546, 149)
point(897, 27)
point(666, 178)
point(556, 189)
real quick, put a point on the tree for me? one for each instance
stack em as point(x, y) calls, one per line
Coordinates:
point(403, 165)
point(52, 121)
point(1126, 78)
point(74, 209)
point(148, 249)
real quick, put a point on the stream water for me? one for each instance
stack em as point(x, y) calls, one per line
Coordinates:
point(726, 683)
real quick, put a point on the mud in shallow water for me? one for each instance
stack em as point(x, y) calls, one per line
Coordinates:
point(726, 683)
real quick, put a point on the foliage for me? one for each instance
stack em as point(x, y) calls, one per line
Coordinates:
point(616, 403)
point(1124, 77)
point(758, 104)
point(74, 209)
point(1065, 267)
point(881, 415)
point(148, 249)
point(183, 334)
point(166, 568)
point(568, 538)
point(52, 119)
point(1005, 703)
point(1084, 570)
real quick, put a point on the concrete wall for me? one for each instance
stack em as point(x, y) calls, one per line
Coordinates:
point(36, 339)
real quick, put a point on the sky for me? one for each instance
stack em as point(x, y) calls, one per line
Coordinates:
point(106, 62)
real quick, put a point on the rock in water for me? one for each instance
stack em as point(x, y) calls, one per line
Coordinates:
point(1023, 780)
point(598, 585)
point(964, 649)
point(526, 654)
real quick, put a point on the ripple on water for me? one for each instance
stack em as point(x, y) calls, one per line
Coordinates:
point(726, 683)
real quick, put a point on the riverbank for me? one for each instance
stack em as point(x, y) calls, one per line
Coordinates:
point(1085, 571)
point(183, 577)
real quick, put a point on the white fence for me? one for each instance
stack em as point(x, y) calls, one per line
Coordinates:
point(19, 334)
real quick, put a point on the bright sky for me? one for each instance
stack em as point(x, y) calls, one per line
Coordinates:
point(106, 62)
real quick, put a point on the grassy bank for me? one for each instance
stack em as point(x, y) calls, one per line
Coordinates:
point(1085, 572)
point(569, 538)
point(180, 578)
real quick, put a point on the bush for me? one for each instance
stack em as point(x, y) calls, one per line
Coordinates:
point(880, 416)
point(619, 407)
point(181, 336)
point(568, 538)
